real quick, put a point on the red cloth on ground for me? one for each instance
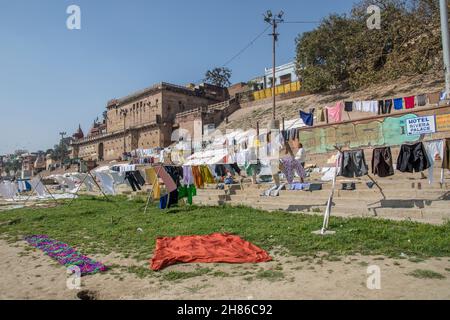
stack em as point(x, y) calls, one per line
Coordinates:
point(216, 247)
point(409, 102)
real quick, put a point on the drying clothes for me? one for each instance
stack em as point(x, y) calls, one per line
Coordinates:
point(253, 169)
point(187, 192)
point(398, 103)
point(299, 186)
point(38, 187)
point(207, 177)
point(220, 170)
point(382, 162)
point(421, 100)
point(163, 201)
point(380, 106)
point(321, 114)
point(409, 102)
point(289, 165)
point(335, 112)
point(153, 180)
point(266, 193)
point(8, 190)
point(176, 173)
point(173, 199)
point(276, 191)
point(446, 160)
point(118, 177)
point(131, 178)
point(168, 200)
point(367, 106)
point(197, 177)
point(328, 174)
point(307, 118)
point(65, 254)
point(353, 164)
point(211, 248)
point(188, 177)
point(412, 158)
point(166, 178)
point(348, 106)
point(384, 106)
point(435, 153)
point(235, 167)
point(434, 98)
point(106, 182)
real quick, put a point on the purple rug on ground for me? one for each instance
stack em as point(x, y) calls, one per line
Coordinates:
point(65, 254)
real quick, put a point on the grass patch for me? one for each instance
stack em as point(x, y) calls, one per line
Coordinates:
point(271, 275)
point(179, 275)
point(95, 226)
point(426, 274)
point(416, 260)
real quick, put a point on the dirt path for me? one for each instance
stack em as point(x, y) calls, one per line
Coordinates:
point(28, 274)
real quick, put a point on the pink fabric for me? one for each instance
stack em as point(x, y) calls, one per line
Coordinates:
point(166, 178)
point(409, 102)
point(335, 113)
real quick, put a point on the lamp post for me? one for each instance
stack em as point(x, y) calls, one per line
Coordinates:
point(124, 113)
point(274, 21)
point(62, 134)
point(445, 44)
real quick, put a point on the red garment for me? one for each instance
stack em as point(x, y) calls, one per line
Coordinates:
point(409, 102)
point(216, 247)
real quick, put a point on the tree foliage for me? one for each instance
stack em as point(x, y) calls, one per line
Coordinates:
point(343, 53)
point(218, 76)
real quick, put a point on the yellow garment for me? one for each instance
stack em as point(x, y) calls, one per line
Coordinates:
point(207, 177)
point(152, 179)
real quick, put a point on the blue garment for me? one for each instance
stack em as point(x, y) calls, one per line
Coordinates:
point(163, 201)
point(299, 186)
point(398, 104)
point(308, 118)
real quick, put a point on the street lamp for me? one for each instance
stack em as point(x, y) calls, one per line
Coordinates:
point(273, 20)
point(62, 134)
point(124, 113)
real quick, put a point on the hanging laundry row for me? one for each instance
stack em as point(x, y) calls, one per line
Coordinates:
point(416, 157)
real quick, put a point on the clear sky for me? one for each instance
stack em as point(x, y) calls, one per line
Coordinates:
point(52, 78)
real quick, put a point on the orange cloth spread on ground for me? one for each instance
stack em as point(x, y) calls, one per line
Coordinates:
point(216, 247)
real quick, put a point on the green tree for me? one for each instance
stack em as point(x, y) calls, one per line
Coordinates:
point(343, 53)
point(218, 76)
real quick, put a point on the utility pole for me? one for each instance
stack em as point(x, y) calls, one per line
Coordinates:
point(445, 44)
point(124, 113)
point(62, 134)
point(273, 20)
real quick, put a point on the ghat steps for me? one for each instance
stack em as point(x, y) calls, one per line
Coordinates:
point(406, 197)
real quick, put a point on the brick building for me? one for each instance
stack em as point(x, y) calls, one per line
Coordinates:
point(144, 119)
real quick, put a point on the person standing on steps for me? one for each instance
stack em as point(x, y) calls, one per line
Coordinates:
point(301, 156)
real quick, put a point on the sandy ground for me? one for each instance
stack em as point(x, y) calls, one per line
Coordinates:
point(29, 274)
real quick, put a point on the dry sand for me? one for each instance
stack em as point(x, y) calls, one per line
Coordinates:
point(26, 273)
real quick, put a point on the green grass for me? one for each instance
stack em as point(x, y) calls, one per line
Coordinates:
point(426, 274)
point(271, 275)
point(179, 275)
point(94, 225)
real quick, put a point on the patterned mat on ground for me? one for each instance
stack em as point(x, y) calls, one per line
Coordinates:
point(65, 254)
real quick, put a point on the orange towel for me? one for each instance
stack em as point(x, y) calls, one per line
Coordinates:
point(216, 247)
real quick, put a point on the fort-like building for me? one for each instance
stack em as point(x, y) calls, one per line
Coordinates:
point(146, 119)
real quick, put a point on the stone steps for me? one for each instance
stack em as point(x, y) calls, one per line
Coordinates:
point(425, 215)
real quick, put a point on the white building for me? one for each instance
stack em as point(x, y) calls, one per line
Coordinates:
point(284, 74)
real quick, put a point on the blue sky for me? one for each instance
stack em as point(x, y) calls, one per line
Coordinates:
point(52, 78)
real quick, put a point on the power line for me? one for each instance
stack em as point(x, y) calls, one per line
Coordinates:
point(242, 50)
point(246, 47)
point(304, 22)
